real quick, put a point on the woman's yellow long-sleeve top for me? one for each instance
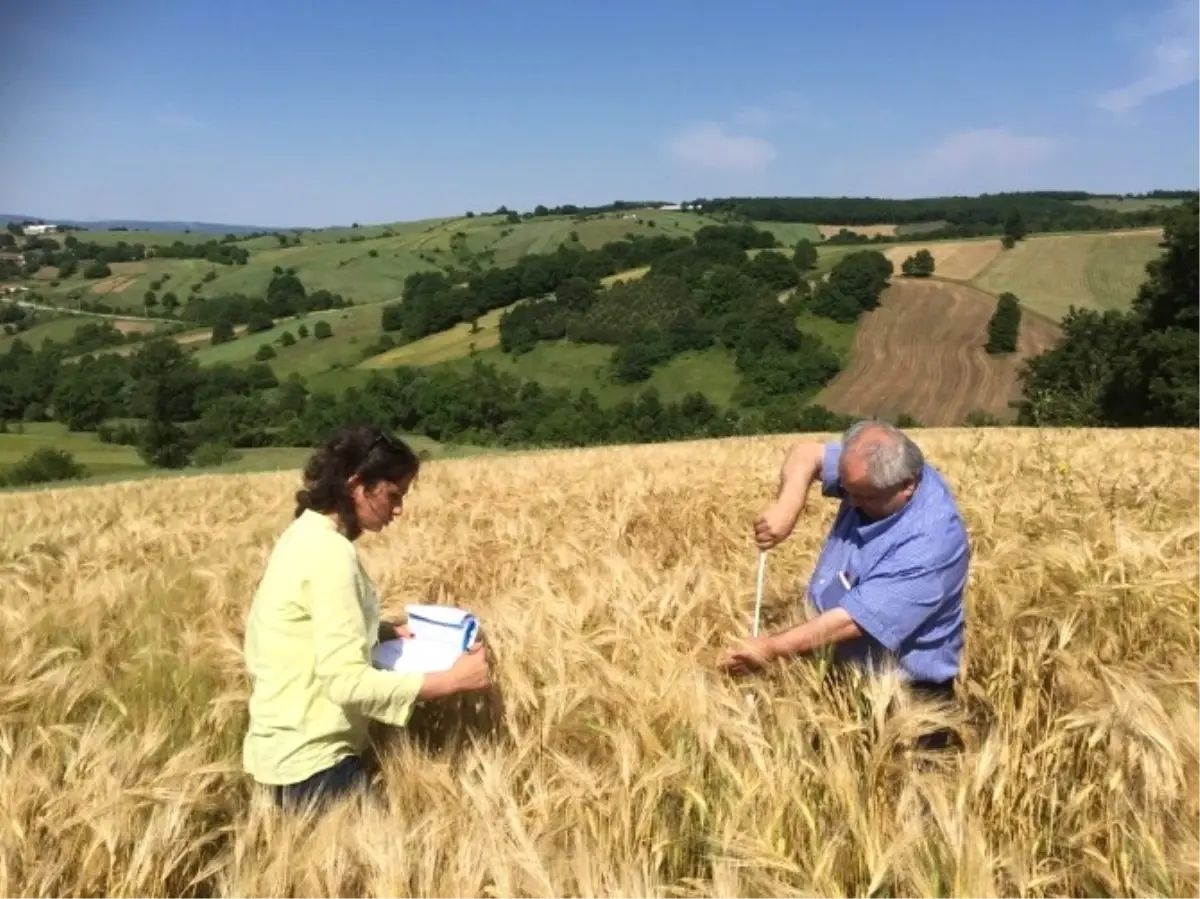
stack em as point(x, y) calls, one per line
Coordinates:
point(309, 635)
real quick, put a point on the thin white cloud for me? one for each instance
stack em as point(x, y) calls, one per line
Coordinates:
point(783, 107)
point(755, 116)
point(1168, 57)
point(987, 149)
point(180, 121)
point(710, 145)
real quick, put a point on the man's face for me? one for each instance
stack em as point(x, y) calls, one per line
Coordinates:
point(871, 501)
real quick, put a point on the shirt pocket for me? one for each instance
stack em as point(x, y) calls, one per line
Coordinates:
point(830, 594)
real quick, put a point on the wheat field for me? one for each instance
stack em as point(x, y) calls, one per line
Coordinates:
point(611, 760)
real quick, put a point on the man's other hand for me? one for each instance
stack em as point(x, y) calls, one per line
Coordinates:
point(747, 656)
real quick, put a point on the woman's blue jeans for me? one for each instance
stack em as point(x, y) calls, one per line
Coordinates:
point(346, 777)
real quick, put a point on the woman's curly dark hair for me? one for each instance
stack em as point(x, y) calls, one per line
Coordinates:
point(369, 452)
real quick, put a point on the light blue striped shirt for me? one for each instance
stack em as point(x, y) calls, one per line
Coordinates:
point(907, 574)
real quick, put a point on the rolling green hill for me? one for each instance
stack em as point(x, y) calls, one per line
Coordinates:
point(628, 326)
point(367, 264)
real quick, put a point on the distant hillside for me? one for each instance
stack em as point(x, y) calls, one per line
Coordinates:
point(628, 326)
point(878, 214)
point(141, 225)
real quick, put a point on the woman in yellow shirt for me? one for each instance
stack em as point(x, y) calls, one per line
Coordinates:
point(315, 619)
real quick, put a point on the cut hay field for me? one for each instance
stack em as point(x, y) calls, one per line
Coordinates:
point(579, 366)
point(1129, 204)
point(453, 343)
point(921, 352)
point(1091, 271)
point(110, 461)
point(611, 760)
point(61, 327)
point(828, 231)
point(957, 260)
point(354, 329)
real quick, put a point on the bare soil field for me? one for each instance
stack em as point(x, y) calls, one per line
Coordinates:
point(133, 325)
point(611, 759)
point(921, 352)
point(124, 275)
point(956, 260)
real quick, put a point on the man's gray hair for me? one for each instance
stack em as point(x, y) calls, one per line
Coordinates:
point(892, 457)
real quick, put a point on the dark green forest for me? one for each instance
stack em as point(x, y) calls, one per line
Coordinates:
point(964, 216)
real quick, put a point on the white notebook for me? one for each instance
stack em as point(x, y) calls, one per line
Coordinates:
point(440, 635)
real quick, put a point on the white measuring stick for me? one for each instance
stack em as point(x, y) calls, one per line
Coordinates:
point(762, 570)
point(758, 594)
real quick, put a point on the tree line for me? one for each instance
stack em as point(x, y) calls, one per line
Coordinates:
point(710, 293)
point(95, 258)
point(158, 399)
point(964, 216)
point(286, 296)
point(434, 301)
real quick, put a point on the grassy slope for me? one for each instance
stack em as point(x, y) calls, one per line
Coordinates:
point(579, 366)
point(1096, 271)
point(57, 327)
point(1129, 204)
point(1047, 272)
point(353, 330)
point(340, 259)
point(107, 461)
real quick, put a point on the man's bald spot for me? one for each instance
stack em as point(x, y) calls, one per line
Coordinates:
point(869, 440)
point(879, 455)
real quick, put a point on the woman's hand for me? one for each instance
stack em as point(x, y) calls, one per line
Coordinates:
point(470, 670)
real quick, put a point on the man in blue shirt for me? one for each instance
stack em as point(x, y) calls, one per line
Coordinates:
point(890, 579)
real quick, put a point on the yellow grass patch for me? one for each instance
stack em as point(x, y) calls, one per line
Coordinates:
point(956, 260)
point(630, 274)
point(453, 343)
point(828, 231)
point(611, 760)
point(1101, 270)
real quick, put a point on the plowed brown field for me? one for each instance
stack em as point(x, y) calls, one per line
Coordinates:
point(124, 275)
point(921, 352)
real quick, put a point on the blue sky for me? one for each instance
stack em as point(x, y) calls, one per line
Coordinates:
point(316, 113)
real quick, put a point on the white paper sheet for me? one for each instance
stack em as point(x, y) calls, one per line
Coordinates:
point(440, 635)
point(418, 654)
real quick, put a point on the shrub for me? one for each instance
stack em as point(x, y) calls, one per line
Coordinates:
point(43, 465)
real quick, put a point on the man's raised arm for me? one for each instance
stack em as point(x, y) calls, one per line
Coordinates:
point(801, 466)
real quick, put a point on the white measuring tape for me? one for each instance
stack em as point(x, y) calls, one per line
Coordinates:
point(758, 595)
point(762, 570)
